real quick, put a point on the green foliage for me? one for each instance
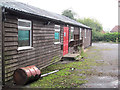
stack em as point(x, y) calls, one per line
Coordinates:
point(93, 23)
point(108, 37)
point(97, 36)
point(114, 37)
point(55, 59)
point(96, 28)
point(96, 31)
point(81, 55)
point(66, 77)
point(68, 13)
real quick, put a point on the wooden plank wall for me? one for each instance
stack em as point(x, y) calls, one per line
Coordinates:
point(87, 40)
point(0, 47)
point(73, 45)
point(44, 50)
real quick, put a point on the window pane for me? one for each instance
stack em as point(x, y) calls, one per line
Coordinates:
point(24, 24)
point(57, 37)
point(23, 38)
point(80, 33)
point(71, 35)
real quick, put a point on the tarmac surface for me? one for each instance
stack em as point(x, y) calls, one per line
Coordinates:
point(105, 75)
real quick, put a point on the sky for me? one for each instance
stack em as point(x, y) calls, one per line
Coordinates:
point(105, 11)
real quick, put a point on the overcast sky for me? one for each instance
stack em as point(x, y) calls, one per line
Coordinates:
point(105, 11)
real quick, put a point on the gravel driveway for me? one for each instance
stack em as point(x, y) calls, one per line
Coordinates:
point(106, 74)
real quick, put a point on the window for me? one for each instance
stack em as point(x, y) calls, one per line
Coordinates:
point(24, 34)
point(57, 34)
point(85, 33)
point(80, 34)
point(72, 34)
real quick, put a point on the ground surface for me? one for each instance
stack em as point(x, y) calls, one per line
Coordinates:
point(99, 69)
point(105, 75)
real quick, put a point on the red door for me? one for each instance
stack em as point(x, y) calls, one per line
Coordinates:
point(65, 40)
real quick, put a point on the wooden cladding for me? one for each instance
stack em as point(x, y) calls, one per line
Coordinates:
point(41, 54)
point(43, 51)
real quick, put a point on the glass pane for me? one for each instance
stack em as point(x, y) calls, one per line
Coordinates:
point(71, 35)
point(64, 34)
point(56, 36)
point(24, 24)
point(80, 34)
point(23, 38)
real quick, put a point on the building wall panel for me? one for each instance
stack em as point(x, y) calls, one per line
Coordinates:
point(44, 50)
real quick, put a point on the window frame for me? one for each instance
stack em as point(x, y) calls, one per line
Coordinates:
point(72, 30)
point(80, 37)
point(27, 29)
point(57, 29)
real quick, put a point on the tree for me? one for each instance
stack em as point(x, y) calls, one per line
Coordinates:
point(96, 28)
point(68, 13)
point(93, 23)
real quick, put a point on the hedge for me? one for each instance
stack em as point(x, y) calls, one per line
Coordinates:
point(114, 37)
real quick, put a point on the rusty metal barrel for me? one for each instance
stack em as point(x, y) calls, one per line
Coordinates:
point(25, 75)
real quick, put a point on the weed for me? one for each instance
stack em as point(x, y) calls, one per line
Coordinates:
point(66, 77)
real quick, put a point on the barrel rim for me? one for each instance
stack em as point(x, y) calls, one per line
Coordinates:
point(26, 79)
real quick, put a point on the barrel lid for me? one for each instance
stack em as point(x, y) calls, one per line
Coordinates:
point(20, 77)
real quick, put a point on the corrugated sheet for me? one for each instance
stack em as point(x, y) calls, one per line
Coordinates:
point(10, 4)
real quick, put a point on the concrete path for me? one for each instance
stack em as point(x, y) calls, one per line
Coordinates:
point(106, 74)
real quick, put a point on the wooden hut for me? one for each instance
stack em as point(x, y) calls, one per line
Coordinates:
point(32, 36)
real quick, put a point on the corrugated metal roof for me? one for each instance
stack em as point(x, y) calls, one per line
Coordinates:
point(11, 4)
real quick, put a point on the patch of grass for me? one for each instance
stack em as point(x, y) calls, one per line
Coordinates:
point(66, 77)
point(81, 55)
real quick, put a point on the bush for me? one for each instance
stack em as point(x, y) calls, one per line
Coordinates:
point(97, 36)
point(114, 37)
point(111, 37)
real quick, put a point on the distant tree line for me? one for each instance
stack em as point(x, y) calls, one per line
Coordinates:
point(96, 28)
